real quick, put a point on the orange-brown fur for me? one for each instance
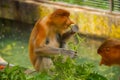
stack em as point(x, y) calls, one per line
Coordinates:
point(110, 52)
point(48, 27)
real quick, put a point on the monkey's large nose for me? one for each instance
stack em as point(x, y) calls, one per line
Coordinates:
point(99, 51)
point(71, 22)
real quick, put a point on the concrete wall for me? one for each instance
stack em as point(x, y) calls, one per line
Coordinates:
point(90, 21)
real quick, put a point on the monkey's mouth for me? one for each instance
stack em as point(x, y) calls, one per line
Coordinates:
point(67, 26)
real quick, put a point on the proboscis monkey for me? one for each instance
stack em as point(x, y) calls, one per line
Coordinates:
point(48, 38)
point(110, 52)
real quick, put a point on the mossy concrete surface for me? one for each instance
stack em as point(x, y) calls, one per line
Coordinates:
point(90, 21)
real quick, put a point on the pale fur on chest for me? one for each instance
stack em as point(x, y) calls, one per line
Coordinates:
point(46, 62)
point(53, 42)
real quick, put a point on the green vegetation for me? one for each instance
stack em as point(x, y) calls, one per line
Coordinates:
point(103, 4)
point(64, 70)
point(14, 73)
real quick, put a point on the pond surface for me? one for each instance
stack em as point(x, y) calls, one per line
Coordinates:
point(14, 37)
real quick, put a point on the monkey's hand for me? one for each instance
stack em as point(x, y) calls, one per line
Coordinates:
point(70, 53)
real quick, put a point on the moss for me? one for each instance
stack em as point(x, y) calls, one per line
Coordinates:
point(115, 31)
point(96, 24)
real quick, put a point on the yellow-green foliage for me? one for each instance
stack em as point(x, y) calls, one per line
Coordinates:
point(96, 24)
point(115, 31)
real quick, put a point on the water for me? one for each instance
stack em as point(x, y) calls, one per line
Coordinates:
point(14, 38)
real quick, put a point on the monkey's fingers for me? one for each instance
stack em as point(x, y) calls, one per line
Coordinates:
point(75, 55)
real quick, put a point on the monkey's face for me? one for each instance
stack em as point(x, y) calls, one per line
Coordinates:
point(64, 22)
point(60, 18)
point(110, 55)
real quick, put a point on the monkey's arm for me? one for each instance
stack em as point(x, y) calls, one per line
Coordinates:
point(49, 51)
point(69, 33)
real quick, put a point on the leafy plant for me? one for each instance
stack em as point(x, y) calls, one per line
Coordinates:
point(13, 73)
point(70, 70)
point(64, 70)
